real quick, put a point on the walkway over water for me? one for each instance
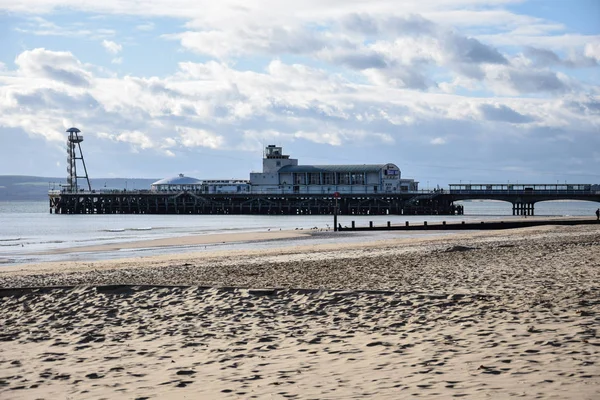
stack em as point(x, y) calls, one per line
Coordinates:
point(524, 196)
point(438, 202)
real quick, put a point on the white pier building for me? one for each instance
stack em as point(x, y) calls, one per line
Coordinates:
point(283, 175)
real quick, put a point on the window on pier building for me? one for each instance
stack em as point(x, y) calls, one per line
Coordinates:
point(358, 178)
point(344, 178)
point(314, 178)
point(391, 173)
point(299, 179)
point(328, 178)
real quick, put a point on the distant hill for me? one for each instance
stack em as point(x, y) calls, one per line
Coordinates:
point(19, 187)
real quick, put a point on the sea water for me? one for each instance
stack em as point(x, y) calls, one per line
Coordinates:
point(28, 230)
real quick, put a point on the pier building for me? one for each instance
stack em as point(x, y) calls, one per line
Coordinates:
point(282, 174)
point(178, 183)
point(183, 183)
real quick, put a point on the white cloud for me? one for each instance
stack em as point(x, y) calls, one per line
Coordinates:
point(332, 138)
point(191, 137)
point(438, 141)
point(256, 18)
point(503, 113)
point(286, 96)
point(592, 50)
point(169, 142)
point(555, 42)
point(511, 80)
point(59, 66)
point(39, 26)
point(112, 47)
point(138, 139)
point(405, 48)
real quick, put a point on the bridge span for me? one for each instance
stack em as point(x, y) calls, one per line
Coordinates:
point(522, 196)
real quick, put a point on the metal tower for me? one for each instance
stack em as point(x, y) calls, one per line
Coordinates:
point(73, 143)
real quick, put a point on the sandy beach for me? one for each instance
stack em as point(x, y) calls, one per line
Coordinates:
point(195, 240)
point(493, 314)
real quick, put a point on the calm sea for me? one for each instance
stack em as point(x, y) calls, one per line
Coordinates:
point(27, 228)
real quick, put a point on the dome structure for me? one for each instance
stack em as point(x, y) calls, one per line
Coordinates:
point(177, 183)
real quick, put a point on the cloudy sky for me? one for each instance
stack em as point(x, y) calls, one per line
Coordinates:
point(450, 91)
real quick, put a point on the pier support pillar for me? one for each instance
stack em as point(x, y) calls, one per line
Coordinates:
point(523, 209)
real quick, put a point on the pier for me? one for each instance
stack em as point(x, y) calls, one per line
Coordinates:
point(146, 202)
point(523, 197)
point(440, 202)
point(285, 187)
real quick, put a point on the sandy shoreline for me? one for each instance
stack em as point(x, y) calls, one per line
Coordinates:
point(488, 314)
point(193, 240)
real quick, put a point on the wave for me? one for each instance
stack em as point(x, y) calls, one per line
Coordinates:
point(148, 228)
point(11, 240)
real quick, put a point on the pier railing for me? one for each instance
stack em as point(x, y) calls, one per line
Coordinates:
point(521, 192)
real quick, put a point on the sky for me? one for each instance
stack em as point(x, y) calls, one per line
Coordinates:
point(451, 91)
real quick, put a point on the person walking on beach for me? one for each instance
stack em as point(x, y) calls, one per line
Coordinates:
point(598, 214)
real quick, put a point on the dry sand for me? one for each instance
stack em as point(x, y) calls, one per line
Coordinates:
point(479, 315)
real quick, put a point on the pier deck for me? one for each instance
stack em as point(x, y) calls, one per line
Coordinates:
point(439, 202)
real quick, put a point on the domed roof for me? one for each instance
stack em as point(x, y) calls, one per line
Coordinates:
point(178, 180)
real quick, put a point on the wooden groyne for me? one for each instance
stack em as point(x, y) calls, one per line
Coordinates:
point(458, 226)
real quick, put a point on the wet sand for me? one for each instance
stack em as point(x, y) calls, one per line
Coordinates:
point(493, 314)
point(193, 240)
